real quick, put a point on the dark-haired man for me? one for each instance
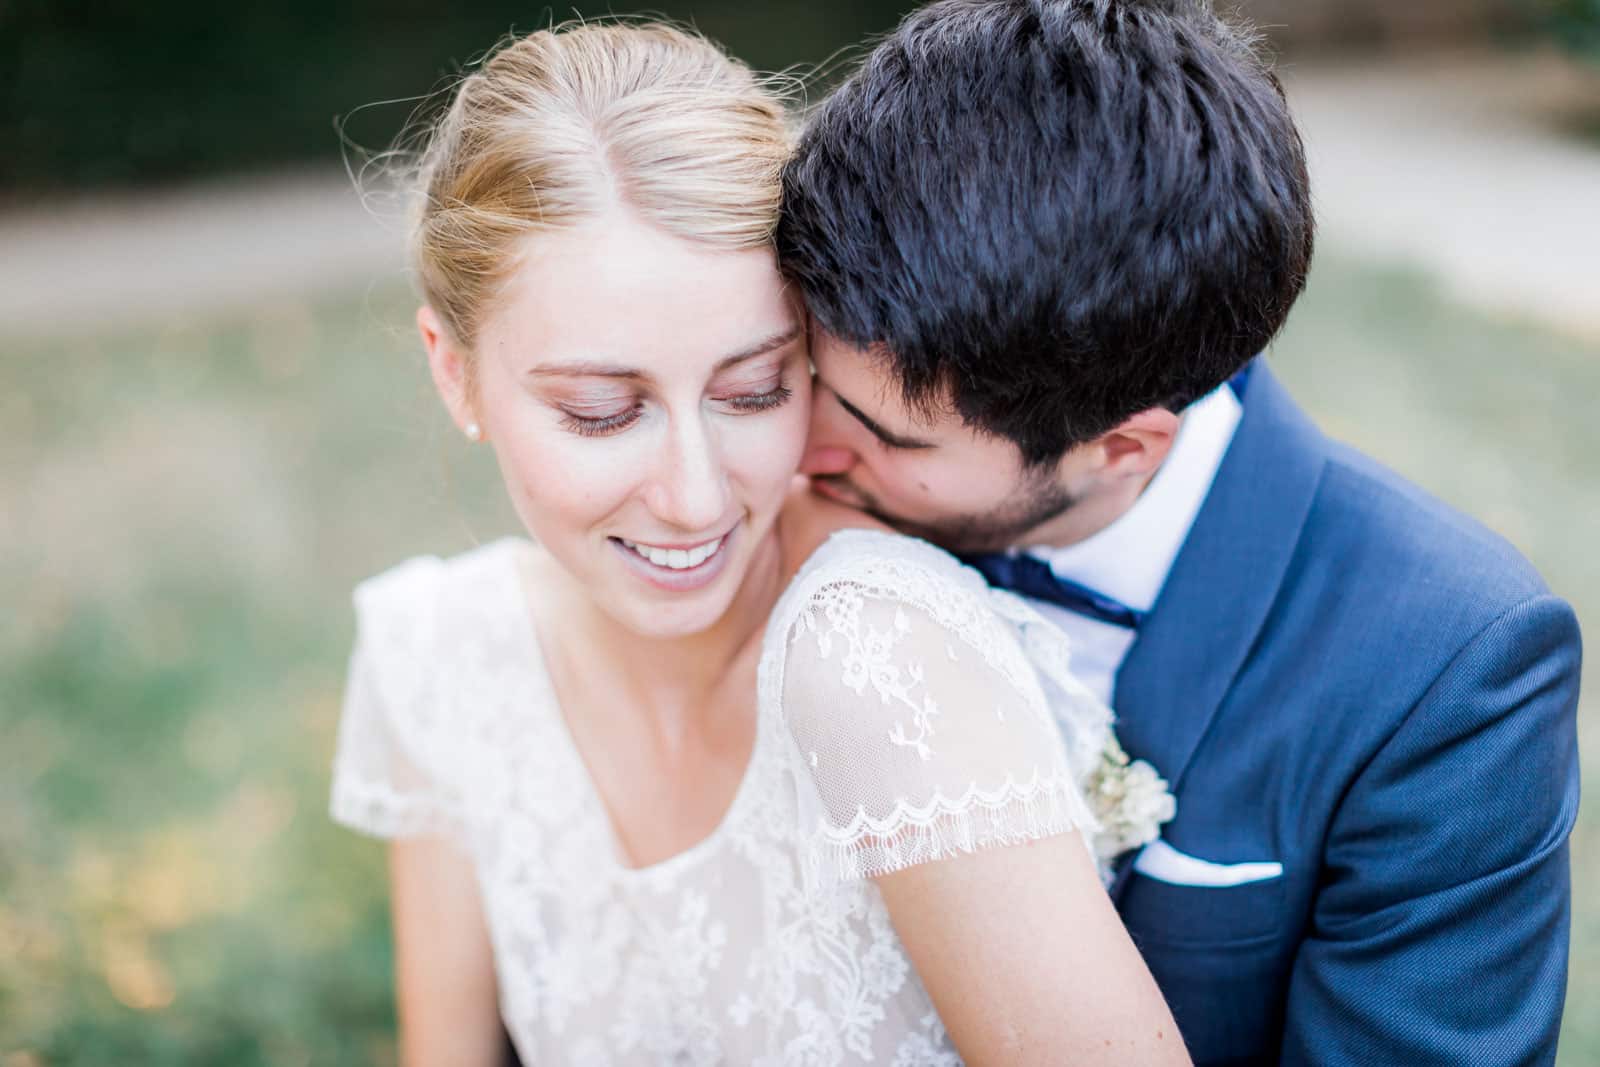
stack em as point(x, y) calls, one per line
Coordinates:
point(1042, 243)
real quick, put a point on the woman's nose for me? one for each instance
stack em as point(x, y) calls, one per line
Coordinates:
point(690, 490)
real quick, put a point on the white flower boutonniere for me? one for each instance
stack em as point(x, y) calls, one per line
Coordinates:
point(1129, 798)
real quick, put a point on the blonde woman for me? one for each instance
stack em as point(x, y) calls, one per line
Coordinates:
point(663, 785)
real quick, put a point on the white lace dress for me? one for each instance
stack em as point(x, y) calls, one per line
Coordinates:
point(901, 720)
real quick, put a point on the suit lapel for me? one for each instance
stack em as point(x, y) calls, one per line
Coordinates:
point(1222, 583)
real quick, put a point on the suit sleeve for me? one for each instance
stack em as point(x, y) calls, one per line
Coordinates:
point(1440, 936)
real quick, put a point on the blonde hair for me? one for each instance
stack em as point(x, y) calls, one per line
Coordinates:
point(558, 126)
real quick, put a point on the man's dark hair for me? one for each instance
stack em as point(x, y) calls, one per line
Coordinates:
point(1063, 211)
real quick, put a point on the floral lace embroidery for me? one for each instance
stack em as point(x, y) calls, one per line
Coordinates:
point(737, 951)
point(869, 660)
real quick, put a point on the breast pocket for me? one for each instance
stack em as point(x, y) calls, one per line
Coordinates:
point(1195, 915)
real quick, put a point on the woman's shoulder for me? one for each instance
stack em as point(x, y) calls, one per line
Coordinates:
point(423, 579)
point(902, 602)
point(909, 710)
point(893, 603)
point(423, 596)
point(434, 638)
point(825, 541)
point(856, 567)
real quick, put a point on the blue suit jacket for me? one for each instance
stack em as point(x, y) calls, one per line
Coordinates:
point(1344, 675)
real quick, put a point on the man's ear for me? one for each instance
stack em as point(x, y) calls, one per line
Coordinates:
point(450, 370)
point(1140, 444)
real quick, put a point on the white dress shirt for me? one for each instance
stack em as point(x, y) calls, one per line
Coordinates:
point(1129, 559)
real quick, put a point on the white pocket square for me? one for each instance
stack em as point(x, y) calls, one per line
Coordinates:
point(1164, 863)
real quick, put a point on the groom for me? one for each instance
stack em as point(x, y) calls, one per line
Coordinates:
point(1041, 241)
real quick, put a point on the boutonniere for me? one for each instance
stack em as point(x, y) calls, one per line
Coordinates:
point(1129, 798)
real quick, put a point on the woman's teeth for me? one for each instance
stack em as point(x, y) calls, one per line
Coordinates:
point(676, 559)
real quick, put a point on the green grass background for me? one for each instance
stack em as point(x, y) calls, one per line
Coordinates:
point(184, 510)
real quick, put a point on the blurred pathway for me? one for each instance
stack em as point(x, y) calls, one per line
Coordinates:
point(1449, 163)
point(133, 258)
point(1457, 165)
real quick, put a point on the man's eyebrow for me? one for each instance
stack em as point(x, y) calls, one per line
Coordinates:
point(598, 369)
point(893, 440)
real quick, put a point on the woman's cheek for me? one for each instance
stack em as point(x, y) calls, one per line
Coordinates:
point(768, 450)
point(567, 485)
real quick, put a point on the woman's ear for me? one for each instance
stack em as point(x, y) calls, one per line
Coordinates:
point(450, 371)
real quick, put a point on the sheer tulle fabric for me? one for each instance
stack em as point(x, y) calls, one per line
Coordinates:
point(906, 713)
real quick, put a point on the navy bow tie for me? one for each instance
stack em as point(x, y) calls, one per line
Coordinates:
point(1033, 578)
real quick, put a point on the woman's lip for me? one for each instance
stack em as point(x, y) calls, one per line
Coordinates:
point(684, 546)
point(679, 581)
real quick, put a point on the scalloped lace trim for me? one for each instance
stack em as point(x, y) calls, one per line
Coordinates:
point(379, 811)
point(912, 833)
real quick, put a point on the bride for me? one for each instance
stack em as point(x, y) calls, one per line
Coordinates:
point(664, 785)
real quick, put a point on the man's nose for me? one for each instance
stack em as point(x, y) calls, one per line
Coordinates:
point(827, 450)
point(826, 459)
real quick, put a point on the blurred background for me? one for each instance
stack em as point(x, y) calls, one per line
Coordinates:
point(214, 420)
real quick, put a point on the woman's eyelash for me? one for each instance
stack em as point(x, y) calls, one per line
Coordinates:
point(608, 424)
point(762, 401)
point(598, 427)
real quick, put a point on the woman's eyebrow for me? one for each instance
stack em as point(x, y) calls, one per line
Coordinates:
point(760, 348)
point(599, 369)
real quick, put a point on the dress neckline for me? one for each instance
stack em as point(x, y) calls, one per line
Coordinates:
point(519, 551)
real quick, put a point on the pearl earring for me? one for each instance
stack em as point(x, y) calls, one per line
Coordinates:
point(473, 432)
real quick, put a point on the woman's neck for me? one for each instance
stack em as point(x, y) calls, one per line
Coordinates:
point(669, 674)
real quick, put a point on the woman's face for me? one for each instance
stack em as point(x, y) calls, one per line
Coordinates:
point(647, 400)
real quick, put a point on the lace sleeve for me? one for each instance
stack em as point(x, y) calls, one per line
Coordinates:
point(916, 725)
point(387, 773)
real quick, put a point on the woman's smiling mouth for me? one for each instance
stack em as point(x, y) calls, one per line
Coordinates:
point(678, 568)
point(677, 559)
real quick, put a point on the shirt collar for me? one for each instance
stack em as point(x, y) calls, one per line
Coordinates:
point(1129, 559)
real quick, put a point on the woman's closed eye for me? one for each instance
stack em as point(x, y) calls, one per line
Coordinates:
point(598, 414)
point(599, 420)
point(758, 386)
point(600, 425)
point(764, 400)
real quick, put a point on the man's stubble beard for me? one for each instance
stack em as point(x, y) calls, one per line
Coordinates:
point(1034, 504)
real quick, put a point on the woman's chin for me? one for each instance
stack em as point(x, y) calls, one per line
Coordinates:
point(661, 602)
point(684, 616)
